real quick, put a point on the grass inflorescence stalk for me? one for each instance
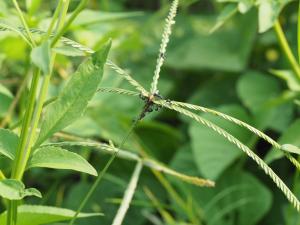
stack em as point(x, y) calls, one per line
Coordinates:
point(32, 116)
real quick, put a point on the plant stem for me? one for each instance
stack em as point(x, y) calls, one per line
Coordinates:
point(21, 16)
point(286, 49)
point(100, 176)
point(25, 126)
point(24, 147)
point(12, 206)
point(61, 32)
point(54, 18)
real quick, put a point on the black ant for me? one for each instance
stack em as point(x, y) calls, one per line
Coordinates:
point(162, 55)
point(150, 106)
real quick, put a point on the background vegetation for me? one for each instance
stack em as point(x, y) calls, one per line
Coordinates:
point(236, 70)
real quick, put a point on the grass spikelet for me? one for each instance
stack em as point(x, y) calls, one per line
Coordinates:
point(164, 43)
point(280, 184)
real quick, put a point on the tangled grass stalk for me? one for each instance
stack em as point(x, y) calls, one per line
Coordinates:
point(234, 120)
point(280, 184)
point(147, 162)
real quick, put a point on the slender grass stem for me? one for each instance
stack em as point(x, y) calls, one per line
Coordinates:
point(286, 49)
point(22, 18)
point(12, 206)
point(63, 29)
point(25, 125)
point(100, 176)
point(54, 19)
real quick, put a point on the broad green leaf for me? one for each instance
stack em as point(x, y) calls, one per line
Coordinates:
point(15, 190)
point(290, 136)
point(8, 143)
point(228, 11)
point(58, 158)
point(41, 55)
point(213, 153)
point(236, 193)
point(198, 50)
point(256, 89)
point(74, 98)
point(262, 95)
point(268, 12)
point(37, 215)
point(5, 99)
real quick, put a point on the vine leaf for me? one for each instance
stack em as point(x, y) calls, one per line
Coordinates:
point(41, 55)
point(74, 98)
point(58, 158)
point(15, 190)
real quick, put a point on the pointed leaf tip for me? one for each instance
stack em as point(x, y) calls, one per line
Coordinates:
point(41, 57)
point(100, 56)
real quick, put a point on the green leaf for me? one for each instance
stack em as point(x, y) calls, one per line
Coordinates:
point(74, 98)
point(87, 17)
point(256, 89)
point(6, 99)
point(15, 190)
point(268, 12)
point(41, 56)
point(58, 158)
point(289, 77)
point(237, 193)
point(8, 143)
point(290, 148)
point(68, 51)
point(245, 5)
point(37, 215)
point(198, 50)
point(291, 136)
point(262, 95)
point(228, 11)
point(5, 91)
point(213, 153)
